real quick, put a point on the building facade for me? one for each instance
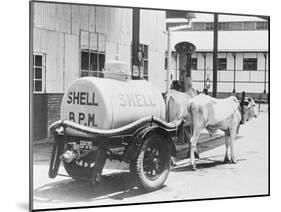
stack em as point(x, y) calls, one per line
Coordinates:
point(242, 53)
point(72, 41)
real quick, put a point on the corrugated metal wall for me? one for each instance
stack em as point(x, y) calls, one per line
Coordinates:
point(57, 34)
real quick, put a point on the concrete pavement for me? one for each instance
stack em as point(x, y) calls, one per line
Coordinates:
point(212, 179)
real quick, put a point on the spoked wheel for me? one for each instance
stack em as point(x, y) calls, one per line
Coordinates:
point(152, 163)
point(81, 169)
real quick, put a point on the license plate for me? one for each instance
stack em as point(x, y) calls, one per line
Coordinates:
point(86, 145)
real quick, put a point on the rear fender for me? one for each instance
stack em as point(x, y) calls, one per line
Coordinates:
point(58, 147)
point(139, 138)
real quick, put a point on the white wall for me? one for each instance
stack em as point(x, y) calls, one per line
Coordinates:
point(250, 81)
point(152, 33)
point(227, 40)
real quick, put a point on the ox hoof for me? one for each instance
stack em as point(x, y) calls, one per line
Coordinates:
point(234, 161)
point(194, 168)
point(226, 160)
point(173, 161)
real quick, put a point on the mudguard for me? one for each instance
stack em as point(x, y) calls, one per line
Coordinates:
point(139, 137)
point(58, 147)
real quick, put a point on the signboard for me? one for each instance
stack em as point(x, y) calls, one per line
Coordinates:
point(136, 71)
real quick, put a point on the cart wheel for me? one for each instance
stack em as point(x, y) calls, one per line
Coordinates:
point(81, 169)
point(152, 164)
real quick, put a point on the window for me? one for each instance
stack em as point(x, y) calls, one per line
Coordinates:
point(38, 73)
point(249, 25)
point(236, 26)
point(262, 25)
point(194, 63)
point(144, 63)
point(223, 26)
point(222, 63)
point(92, 54)
point(209, 26)
point(198, 26)
point(250, 64)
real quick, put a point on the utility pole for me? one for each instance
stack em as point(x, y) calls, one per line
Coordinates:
point(215, 55)
point(135, 43)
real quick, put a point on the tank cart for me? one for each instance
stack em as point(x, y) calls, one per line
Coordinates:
point(117, 119)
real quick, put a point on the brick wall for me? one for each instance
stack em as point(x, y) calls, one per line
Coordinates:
point(54, 102)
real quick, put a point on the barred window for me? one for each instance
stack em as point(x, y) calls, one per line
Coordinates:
point(236, 26)
point(223, 26)
point(250, 64)
point(209, 26)
point(92, 53)
point(262, 25)
point(194, 63)
point(222, 63)
point(144, 63)
point(38, 73)
point(249, 25)
point(198, 26)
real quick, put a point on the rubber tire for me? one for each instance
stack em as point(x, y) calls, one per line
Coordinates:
point(78, 173)
point(136, 166)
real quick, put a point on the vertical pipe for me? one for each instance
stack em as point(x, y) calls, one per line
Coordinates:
point(168, 60)
point(242, 107)
point(135, 40)
point(204, 55)
point(64, 74)
point(31, 96)
point(215, 55)
point(234, 73)
point(265, 57)
point(176, 66)
point(187, 75)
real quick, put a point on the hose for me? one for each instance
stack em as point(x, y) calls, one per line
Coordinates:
point(99, 132)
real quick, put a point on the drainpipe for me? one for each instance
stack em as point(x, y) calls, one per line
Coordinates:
point(215, 55)
point(135, 43)
point(265, 57)
point(234, 72)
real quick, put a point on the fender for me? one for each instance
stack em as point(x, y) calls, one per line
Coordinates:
point(140, 136)
point(58, 147)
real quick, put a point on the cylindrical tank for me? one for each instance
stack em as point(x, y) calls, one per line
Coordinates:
point(108, 103)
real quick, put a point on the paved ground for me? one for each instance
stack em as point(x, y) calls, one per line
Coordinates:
point(212, 179)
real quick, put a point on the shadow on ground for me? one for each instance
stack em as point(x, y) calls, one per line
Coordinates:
point(116, 186)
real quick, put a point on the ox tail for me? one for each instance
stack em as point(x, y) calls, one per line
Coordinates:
point(241, 119)
point(168, 101)
point(191, 115)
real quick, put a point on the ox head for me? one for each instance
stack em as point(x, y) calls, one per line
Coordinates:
point(250, 109)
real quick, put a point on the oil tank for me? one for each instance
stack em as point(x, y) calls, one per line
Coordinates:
point(109, 103)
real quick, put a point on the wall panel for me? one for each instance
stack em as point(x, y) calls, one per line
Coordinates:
point(72, 60)
point(54, 62)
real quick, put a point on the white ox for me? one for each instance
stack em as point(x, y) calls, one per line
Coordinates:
point(210, 113)
point(177, 104)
